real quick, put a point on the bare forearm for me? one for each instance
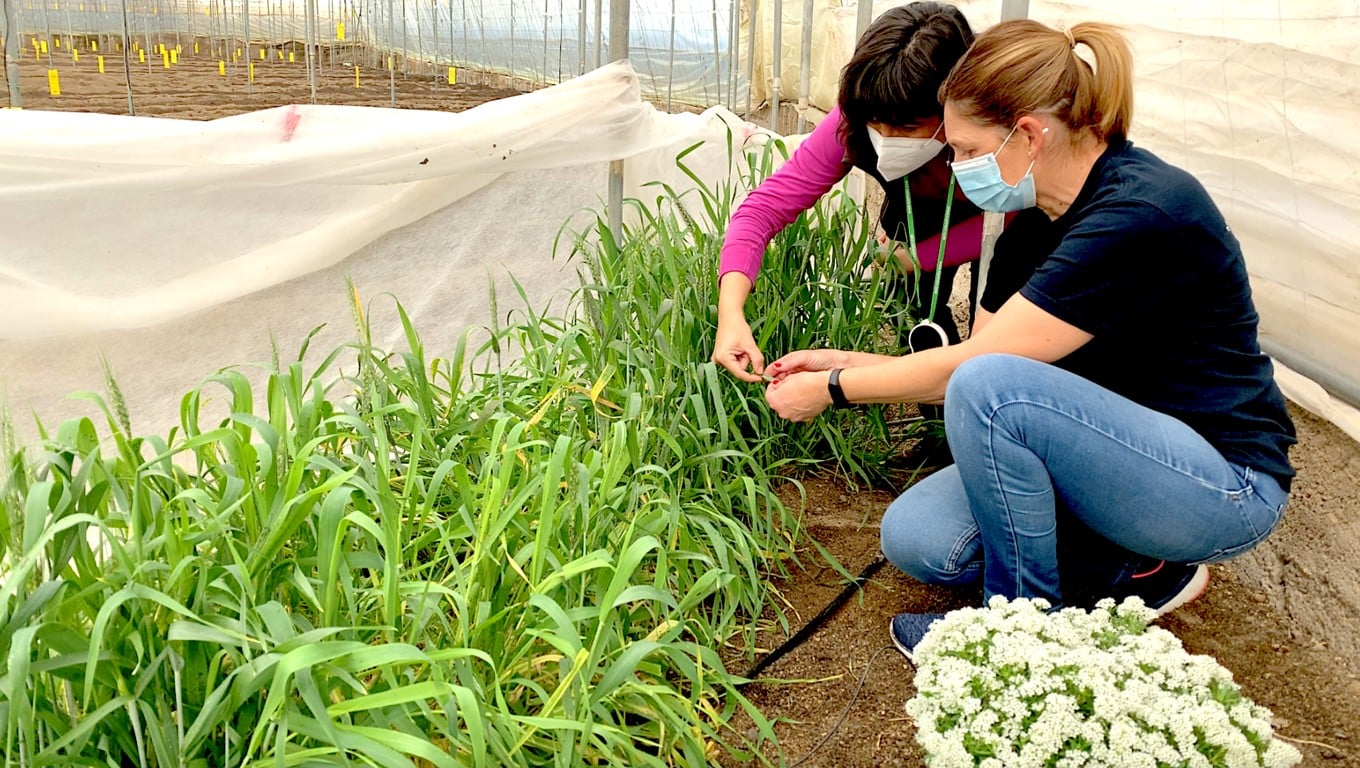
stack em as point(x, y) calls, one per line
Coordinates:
point(917, 378)
point(733, 289)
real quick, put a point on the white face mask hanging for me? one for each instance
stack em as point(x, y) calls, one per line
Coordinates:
point(900, 155)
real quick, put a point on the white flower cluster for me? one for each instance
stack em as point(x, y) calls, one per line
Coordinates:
point(1012, 686)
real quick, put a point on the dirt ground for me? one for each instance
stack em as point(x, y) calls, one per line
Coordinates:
point(847, 708)
point(193, 89)
point(1313, 691)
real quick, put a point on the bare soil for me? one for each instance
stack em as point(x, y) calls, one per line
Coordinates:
point(1282, 619)
point(1312, 690)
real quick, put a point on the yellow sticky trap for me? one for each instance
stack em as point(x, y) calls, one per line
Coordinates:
point(291, 57)
point(195, 49)
point(56, 42)
point(453, 76)
point(252, 71)
point(141, 56)
point(101, 65)
point(356, 76)
point(174, 57)
point(280, 55)
point(222, 68)
point(44, 46)
point(389, 63)
point(340, 31)
point(75, 56)
point(94, 45)
point(53, 82)
point(261, 54)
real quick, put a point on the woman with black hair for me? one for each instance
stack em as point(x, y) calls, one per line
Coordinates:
point(887, 122)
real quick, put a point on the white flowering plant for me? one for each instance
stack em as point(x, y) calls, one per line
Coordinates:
point(1013, 685)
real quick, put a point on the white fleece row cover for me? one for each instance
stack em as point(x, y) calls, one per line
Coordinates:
point(176, 248)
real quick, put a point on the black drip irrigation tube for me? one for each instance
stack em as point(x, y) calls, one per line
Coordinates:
point(817, 621)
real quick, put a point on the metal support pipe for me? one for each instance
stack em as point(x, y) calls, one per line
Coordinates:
point(618, 50)
point(311, 37)
point(866, 15)
point(776, 64)
point(717, 58)
point(670, 66)
point(1014, 9)
point(581, 38)
point(127, 59)
point(751, 26)
point(12, 54)
point(733, 58)
point(805, 67)
point(599, 33)
point(249, 61)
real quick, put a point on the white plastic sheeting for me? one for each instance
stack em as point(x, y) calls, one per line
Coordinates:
point(1258, 99)
point(176, 247)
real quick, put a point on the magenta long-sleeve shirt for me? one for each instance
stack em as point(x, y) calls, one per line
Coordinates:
point(816, 166)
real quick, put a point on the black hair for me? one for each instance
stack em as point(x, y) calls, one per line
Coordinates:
point(899, 63)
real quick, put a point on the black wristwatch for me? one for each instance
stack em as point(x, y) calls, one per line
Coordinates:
point(833, 385)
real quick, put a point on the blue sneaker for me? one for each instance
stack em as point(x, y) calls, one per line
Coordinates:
point(1163, 586)
point(907, 629)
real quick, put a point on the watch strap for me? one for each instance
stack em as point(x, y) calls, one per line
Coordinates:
point(833, 385)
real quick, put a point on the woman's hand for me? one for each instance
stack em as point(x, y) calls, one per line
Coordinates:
point(809, 360)
point(888, 247)
point(799, 396)
point(734, 348)
point(798, 392)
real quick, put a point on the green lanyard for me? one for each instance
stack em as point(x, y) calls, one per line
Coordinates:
point(944, 237)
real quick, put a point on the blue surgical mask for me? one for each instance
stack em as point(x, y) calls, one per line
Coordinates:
point(980, 180)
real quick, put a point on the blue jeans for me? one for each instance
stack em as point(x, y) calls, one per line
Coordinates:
point(1036, 445)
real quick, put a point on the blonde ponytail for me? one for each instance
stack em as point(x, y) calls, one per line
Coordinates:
point(1022, 67)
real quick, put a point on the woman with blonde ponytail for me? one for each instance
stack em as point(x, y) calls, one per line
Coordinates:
point(1121, 411)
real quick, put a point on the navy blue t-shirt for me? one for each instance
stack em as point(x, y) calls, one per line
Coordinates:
point(1144, 262)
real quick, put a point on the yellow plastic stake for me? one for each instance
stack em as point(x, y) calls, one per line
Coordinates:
point(389, 63)
point(356, 76)
point(291, 57)
point(165, 60)
point(252, 71)
point(56, 42)
point(195, 49)
point(53, 82)
point(94, 45)
point(340, 31)
point(280, 54)
point(44, 46)
point(453, 76)
point(75, 56)
point(222, 68)
point(174, 56)
point(261, 54)
point(101, 65)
